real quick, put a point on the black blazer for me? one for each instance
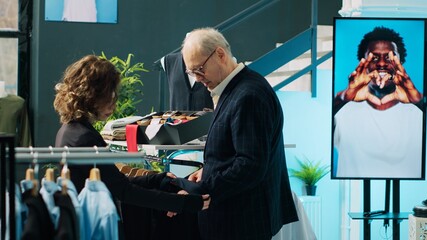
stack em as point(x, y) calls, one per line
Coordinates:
point(82, 134)
point(245, 169)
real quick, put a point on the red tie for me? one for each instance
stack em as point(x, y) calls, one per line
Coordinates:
point(131, 137)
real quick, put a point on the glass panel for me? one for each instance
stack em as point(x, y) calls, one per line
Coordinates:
point(8, 14)
point(9, 64)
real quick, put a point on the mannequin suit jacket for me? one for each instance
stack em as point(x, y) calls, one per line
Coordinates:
point(183, 96)
point(244, 164)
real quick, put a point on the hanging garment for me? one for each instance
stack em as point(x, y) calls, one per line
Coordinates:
point(38, 224)
point(47, 190)
point(14, 119)
point(137, 222)
point(19, 209)
point(72, 193)
point(181, 226)
point(100, 213)
point(68, 227)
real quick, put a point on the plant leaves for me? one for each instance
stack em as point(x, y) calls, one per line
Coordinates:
point(310, 172)
point(130, 93)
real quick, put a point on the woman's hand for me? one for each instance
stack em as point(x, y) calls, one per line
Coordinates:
point(182, 192)
point(206, 202)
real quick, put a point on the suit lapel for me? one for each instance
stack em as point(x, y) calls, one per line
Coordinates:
point(227, 92)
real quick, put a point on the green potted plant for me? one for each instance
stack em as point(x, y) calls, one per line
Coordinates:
point(310, 173)
point(130, 93)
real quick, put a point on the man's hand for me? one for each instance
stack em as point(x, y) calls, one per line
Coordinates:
point(206, 201)
point(405, 88)
point(171, 175)
point(196, 176)
point(358, 84)
point(358, 81)
point(358, 87)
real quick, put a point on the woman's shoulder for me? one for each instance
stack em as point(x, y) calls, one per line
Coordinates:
point(78, 134)
point(77, 128)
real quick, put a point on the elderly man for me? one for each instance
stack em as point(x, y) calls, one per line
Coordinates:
point(244, 169)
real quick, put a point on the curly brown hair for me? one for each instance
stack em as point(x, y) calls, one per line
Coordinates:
point(86, 86)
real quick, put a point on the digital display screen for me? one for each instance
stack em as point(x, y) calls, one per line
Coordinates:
point(378, 103)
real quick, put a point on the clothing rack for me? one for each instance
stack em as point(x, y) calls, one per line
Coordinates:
point(60, 149)
point(10, 156)
point(7, 162)
point(84, 155)
point(79, 157)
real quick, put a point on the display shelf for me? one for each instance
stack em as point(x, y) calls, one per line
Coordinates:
point(152, 149)
point(390, 215)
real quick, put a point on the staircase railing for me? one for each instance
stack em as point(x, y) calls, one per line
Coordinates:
point(236, 19)
point(227, 24)
point(277, 57)
point(290, 50)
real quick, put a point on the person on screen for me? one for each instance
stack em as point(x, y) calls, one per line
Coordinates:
point(378, 119)
point(79, 11)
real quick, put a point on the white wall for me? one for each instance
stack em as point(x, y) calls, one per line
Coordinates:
point(308, 125)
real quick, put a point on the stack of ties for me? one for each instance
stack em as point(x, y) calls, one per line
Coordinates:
point(133, 171)
point(170, 117)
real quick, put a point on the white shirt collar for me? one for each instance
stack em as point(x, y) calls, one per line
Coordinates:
point(217, 91)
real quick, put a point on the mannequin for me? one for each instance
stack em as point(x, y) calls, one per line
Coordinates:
point(184, 92)
point(14, 117)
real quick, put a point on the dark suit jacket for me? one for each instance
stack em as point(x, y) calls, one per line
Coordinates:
point(244, 164)
point(38, 225)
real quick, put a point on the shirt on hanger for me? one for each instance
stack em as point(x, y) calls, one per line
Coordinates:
point(47, 190)
point(100, 213)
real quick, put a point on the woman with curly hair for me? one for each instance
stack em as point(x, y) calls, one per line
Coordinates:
point(88, 92)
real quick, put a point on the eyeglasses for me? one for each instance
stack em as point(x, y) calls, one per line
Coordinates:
point(199, 71)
